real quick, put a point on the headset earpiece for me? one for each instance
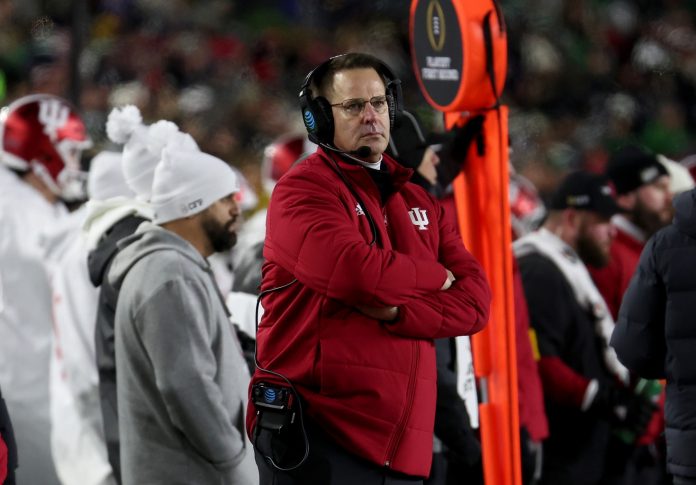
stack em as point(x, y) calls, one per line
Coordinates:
point(320, 110)
point(316, 113)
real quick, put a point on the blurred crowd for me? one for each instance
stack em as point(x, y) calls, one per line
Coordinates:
point(584, 76)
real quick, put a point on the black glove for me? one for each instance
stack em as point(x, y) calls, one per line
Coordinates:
point(464, 135)
point(639, 411)
point(610, 402)
point(455, 149)
point(623, 408)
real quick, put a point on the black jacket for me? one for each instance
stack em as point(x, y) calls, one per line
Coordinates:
point(655, 335)
point(575, 452)
point(99, 261)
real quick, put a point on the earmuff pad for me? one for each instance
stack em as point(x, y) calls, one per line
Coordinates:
point(316, 112)
point(324, 117)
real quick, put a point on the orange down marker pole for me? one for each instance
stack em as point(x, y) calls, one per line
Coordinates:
point(481, 196)
point(459, 54)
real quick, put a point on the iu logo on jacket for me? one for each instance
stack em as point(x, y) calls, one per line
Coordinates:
point(419, 217)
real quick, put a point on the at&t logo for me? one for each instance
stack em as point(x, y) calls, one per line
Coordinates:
point(309, 121)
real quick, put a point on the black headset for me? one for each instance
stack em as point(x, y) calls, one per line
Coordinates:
point(316, 111)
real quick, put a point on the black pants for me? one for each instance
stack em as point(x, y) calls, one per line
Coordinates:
point(327, 463)
point(684, 480)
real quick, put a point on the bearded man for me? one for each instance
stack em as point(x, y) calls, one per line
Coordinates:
point(181, 376)
point(642, 187)
point(580, 373)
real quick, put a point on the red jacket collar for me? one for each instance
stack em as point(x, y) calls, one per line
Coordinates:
point(399, 174)
point(625, 239)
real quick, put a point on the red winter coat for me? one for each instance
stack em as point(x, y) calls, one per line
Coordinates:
point(612, 280)
point(370, 385)
point(532, 412)
point(3, 460)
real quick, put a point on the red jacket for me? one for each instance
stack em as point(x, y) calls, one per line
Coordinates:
point(3, 460)
point(612, 280)
point(369, 384)
point(532, 412)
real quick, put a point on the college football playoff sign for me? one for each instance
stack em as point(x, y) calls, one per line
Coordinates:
point(459, 52)
point(437, 42)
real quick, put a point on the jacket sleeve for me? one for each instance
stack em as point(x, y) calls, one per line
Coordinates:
point(311, 235)
point(562, 384)
point(74, 313)
point(548, 298)
point(639, 334)
point(462, 309)
point(174, 330)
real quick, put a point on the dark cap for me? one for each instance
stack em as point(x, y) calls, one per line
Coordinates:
point(632, 167)
point(585, 191)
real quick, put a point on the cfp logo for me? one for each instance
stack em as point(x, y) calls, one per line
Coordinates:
point(192, 205)
point(53, 115)
point(419, 218)
point(436, 25)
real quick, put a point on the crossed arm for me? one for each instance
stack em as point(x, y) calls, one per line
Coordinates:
point(313, 237)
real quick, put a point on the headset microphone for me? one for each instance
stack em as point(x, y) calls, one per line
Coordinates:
point(362, 152)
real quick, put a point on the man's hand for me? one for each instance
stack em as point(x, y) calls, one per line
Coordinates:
point(448, 282)
point(386, 314)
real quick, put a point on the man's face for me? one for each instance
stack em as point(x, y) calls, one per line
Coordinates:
point(595, 235)
point(218, 223)
point(367, 128)
point(653, 207)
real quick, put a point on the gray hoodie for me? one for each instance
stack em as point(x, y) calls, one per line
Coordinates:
point(182, 381)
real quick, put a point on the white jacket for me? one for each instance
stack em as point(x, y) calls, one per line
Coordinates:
point(77, 437)
point(25, 322)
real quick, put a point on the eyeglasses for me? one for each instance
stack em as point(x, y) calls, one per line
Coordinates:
point(355, 107)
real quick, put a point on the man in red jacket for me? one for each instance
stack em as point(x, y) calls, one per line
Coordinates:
point(361, 274)
point(642, 187)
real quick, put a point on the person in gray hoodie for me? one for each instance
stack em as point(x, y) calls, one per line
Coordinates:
point(109, 221)
point(181, 375)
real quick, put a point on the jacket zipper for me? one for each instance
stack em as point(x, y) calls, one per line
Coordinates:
point(396, 437)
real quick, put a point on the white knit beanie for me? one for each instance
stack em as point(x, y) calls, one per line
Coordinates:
point(188, 182)
point(142, 146)
point(105, 178)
